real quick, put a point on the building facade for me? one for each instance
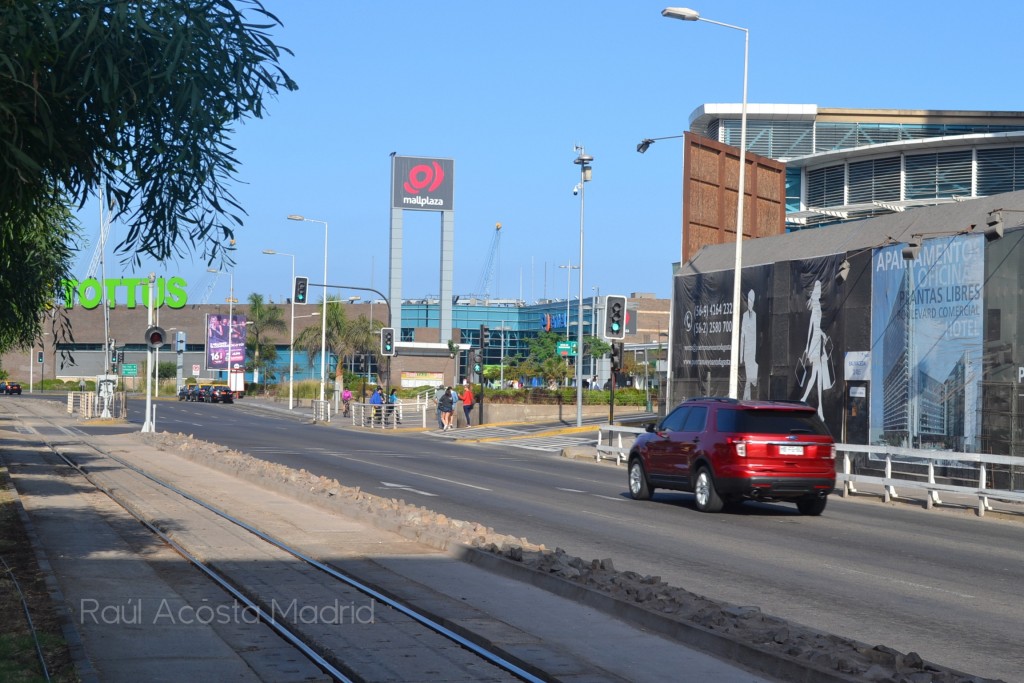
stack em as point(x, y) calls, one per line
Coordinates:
point(844, 164)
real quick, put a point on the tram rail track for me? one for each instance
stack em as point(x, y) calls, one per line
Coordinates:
point(311, 642)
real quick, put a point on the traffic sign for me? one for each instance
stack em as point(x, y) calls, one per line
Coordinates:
point(130, 370)
point(566, 348)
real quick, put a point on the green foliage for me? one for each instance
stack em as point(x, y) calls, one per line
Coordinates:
point(260, 353)
point(133, 99)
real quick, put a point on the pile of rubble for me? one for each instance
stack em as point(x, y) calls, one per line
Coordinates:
point(839, 659)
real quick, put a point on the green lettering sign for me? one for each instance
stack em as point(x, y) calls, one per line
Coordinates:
point(89, 292)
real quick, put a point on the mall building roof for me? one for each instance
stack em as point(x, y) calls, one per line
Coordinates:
point(962, 217)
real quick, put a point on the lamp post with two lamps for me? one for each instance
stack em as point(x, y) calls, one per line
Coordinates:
point(686, 14)
point(323, 321)
point(231, 317)
point(291, 333)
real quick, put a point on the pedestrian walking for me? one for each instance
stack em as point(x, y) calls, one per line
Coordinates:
point(394, 411)
point(467, 403)
point(446, 405)
point(438, 393)
point(377, 401)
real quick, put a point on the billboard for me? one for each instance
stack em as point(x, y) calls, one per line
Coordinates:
point(423, 184)
point(926, 325)
point(217, 330)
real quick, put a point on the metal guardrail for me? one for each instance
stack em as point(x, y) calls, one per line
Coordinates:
point(321, 411)
point(614, 441)
point(919, 469)
point(89, 405)
point(406, 413)
point(974, 466)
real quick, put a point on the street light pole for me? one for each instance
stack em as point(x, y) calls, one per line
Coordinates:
point(291, 333)
point(231, 317)
point(687, 14)
point(323, 321)
point(583, 160)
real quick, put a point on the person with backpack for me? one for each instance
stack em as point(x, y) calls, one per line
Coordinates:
point(467, 403)
point(446, 404)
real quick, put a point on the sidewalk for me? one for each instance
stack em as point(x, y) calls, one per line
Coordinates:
point(101, 556)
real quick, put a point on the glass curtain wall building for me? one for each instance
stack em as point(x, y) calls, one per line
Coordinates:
point(846, 164)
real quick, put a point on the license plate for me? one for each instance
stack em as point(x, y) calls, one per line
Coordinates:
point(791, 450)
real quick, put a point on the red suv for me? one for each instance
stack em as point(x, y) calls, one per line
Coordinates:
point(724, 451)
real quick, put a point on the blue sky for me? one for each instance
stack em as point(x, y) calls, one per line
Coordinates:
point(507, 90)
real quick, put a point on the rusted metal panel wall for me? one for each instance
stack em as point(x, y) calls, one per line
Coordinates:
point(710, 187)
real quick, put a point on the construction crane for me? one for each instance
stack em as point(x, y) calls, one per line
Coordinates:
point(487, 276)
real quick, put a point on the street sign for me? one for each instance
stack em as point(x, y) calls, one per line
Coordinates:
point(195, 368)
point(130, 370)
point(566, 348)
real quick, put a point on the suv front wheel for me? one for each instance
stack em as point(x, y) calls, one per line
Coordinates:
point(639, 489)
point(705, 493)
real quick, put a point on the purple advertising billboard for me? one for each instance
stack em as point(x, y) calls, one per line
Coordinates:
point(423, 184)
point(217, 330)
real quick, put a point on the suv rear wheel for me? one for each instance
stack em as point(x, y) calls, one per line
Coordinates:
point(705, 493)
point(811, 506)
point(639, 489)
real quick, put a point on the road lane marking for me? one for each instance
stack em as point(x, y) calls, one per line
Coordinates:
point(417, 474)
point(617, 499)
point(559, 488)
point(403, 487)
point(902, 582)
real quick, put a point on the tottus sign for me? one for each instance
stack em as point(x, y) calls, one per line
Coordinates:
point(133, 291)
point(423, 184)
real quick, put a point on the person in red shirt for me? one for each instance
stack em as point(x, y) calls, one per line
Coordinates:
point(467, 402)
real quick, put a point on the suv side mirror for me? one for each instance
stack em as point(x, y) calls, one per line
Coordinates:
point(649, 427)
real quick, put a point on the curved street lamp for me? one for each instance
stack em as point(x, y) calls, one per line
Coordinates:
point(687, 14)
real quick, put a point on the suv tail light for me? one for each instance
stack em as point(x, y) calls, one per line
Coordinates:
point(832, 452)
point(741, 448)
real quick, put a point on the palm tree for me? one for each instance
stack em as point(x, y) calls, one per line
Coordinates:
point(343, 337)
point(263, 318)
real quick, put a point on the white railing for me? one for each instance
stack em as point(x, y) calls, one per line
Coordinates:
point(406, 413)
point(321, 411)
point(89, 405)
point(614, 442)
point(975, 466)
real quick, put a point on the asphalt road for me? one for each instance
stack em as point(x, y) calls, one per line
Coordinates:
point(944, 584)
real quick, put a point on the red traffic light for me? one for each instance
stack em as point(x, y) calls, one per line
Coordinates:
point(155, 337)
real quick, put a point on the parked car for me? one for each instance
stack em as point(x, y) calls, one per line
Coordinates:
point(12, 388)
point(221, 394)
point(725, 451)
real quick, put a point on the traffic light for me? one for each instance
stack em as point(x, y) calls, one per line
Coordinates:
point(478, 364)
point(615, 317)
point(39, 358)
point(301, 285)
point(113, 357)
point(485, 334)
point(617, 350)
point(120, 356)
point(387, 341)
point(155, 337)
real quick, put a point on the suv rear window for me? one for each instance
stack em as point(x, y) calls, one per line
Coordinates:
point(771, 422)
